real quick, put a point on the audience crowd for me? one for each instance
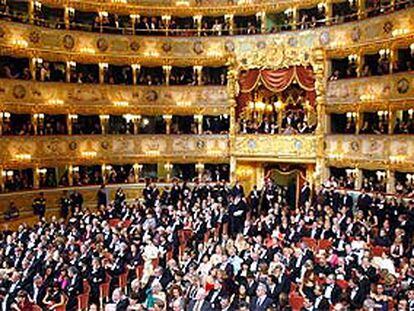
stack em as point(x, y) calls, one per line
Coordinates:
point(214, 247)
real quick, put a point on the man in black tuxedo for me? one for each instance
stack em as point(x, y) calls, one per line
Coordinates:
point(74, 288)
point(279, 284)
point(347, 200)
point(305, 193)
point(37, 290)
point(332, 291)
point(364, 202)
point(261, 302)
point(39, 206)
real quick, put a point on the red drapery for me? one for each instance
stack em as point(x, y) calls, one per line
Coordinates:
point(276, 81)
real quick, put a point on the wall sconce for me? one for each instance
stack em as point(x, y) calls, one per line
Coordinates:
point(412, 48)
point(198, 117)
point(260, 15)
point(199, 167)
point(166, 18)
point(321, 6)
point(384, 53)
point(106, 167)
point(288, 12)
point(351, 172)
point(134, 17)
point(21, 43)
point(7, 173)
point(103, 14)
point(138, 167)
point(225, 116)
point(73, 117)
point(72, 64)
point(352, 2)
point(55, 102)
point(351, 115)
point(71, 11)
point(37, 5)
point(410, 178)
point(103, 66)
point(39, 116)
point(104, 117)
point(89, 154)
point(353, 58)
point(75, 169)
point(410, 112)
point(228, 17)
point(145, 121)
point(38, 60)
point(380, 175)
point(136, 66)
point(5, 115)
point(167, 117)
point(121, 103)
point(23, 156)
point(168, 167)
point(129, 117)
point(42, 171)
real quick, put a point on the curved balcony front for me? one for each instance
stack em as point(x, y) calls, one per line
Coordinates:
point(98, 149)
point(62, 45)
point(64, 98)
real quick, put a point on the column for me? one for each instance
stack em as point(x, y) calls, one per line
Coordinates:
point(2, 177)
point(104, 118)
point(280, 119)
point(328, 13)
point(229, 18)
point(295, 18)
point(36, 173)
point(166, 19)
point(68, 72)
point(102, 69)
point(361, 9)
point(36, 119)
point(261, 17)
point(134, 20)
point(198, 21)
point(199, 74)
point(233, 121)
point(135, 73)
point(167, 73)
point(200, 170)
point(199, 119)
point(358, 178)
point(391, 121)
point(69, 124)
point(359, 120)
point(390, 181)
point(233, 167)
point(104, 168)
point(137, 169)
point(167, 118)
point(137, 123)
point(359, 63)
point(168, 167)
point(66, 17)
point(70, 175)
point(32, 67)
point(393, 59)
point(31, 11)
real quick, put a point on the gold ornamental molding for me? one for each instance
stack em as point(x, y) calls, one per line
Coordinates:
point(183, 7)
point(62, 45)
point(100, 149)
point(63, 98)
point(395, 152)
point(280, 148)
point(389, 92)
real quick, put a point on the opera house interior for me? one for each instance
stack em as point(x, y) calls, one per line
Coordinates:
point(204, 155)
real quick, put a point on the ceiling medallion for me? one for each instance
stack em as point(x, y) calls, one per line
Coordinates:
point(403, 85)
point(19, 91)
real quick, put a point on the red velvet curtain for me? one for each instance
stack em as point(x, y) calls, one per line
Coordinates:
point(276, 81)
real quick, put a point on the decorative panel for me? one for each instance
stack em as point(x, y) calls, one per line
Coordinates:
point(276, 147)
point(371, 151)
point(49, 97)
point(87, 149)
point(371, 91)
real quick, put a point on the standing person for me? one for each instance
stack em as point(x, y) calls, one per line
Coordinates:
point(39, 206)
point(65, 204)
point(102, 196)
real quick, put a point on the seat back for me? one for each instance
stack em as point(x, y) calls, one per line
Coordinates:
point(83, 301)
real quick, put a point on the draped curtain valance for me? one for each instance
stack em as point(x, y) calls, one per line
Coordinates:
point(276, 81)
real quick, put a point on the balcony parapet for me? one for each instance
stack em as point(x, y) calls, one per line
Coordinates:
point(280, 148)
point(67, 45)
point(395, 152)
point(98, 149)
point(63, 98)
point(394, 91)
